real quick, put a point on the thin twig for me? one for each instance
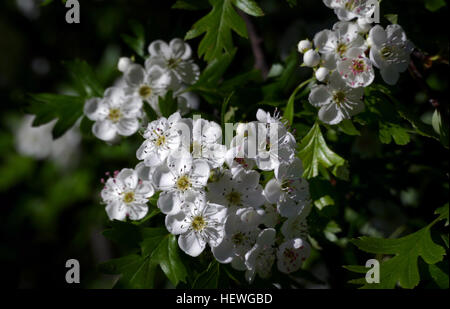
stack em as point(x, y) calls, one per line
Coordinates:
point(255, 40)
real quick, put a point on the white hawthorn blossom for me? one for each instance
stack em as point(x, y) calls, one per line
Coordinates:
point(277, 146)
point(147, 84)
point(114, 114)
point(206, 141)
point(260, 258)
point(356, 69)
point(161, 139)
point(297, 227)
point(240, 233)
point(336, 100)
point(288, 190)
point(237, 162)
point(237, 191)
point(269, 215)
point(291, 254)
point(390, 51)
point(175, 59)
point(199, 224)
point(126, 195)
point(180, 176)
point(343, 37)
point(207, 202)
point(350, 9)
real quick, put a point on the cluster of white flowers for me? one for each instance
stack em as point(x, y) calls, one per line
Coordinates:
point(167, 68)
point(343, 58)
point(213, 194)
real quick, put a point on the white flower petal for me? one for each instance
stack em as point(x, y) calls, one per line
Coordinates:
point(169, 202)
point(377, 35)
point(191, 244)
point(319, 96)
point(159, 48)
point(128, 177)
point(127, 126)
point(176, 223)
point(137, 211)
point(135, 75)
point(272, 191)
point(104, 130)
point(116, 211)
point(330, 114)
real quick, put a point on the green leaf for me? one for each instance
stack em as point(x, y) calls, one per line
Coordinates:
point(166, 255)
point(387, 111)
point(215, 69)
point(389, 131)
point(84, 78)
point(315, 153)
point(217, 26)
point(124, 233)
point(392, 18)
point(348, 127)
point(47, 106)
point(439, 275)
point(319, 190)
point(168, 104)
point(136, 41)
point(402, 268)
point(289, 111)
point(443, 213)
point(331, 230)
point(162, 248)
point(249, 6)
point(208, 279)
point(151, 239)
point(357, 268)
point(137, 272)
point(274, 91)
point(434, 5)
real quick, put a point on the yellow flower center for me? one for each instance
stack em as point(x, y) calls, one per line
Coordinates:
point(358, 66)
point(172, 63)
point(339, 98)
point(161, 140)
point(128, 197)
point(183, 183)
point(234, 198)
point(114, 114)
point(145, 91)
point(341, 48)
point(198, 223)
point(386, 52)
point(237, 238)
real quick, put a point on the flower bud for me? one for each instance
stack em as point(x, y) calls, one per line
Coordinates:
point(322, 73)
point(311, 58)
point(304, 45)
point(123, 64)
